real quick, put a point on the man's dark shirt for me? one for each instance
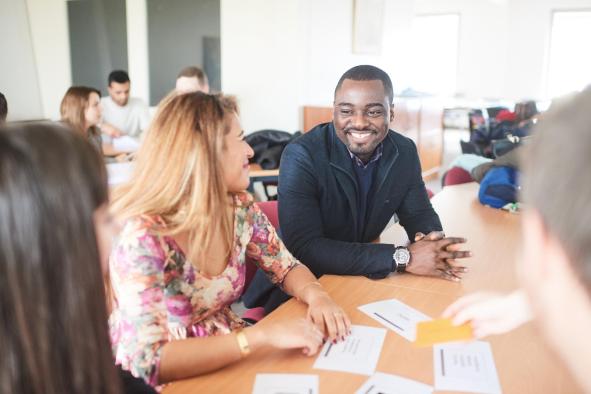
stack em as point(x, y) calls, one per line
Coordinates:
point(365, 173)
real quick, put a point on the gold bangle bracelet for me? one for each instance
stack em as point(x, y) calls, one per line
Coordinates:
point(242, 343)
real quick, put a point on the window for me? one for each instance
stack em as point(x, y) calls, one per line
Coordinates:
point(569, 66)
point(434, 54)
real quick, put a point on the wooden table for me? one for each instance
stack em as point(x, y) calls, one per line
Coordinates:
point(493, 237)
point(523, 362)
point(257, 174)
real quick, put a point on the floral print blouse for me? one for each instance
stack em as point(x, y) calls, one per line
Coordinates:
point(160, 296)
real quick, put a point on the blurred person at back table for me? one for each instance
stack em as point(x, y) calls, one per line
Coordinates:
point(123, 114)
point(3, 109)
point(192, 79)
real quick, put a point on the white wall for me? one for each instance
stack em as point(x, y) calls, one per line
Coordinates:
point(482, 62)
point(503, 47)
point(329, 43)
point(504, 44)
point(533, 26)
point(137, 48)
point(261, 49)
point(35, 62)
point(35, 66)
point(51, 45)
point(278, 55)
point(18, 74)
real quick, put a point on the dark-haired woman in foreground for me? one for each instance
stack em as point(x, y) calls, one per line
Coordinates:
point(55, 234)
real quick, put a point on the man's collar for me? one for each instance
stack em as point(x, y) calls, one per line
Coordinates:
point(377, 154)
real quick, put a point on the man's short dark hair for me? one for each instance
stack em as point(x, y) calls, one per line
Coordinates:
point(366, 72)
point(3, 108)
point(194, 72)
point(119, 76)
point(555, 163)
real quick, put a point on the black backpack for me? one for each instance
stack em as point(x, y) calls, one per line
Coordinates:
point(268, 146)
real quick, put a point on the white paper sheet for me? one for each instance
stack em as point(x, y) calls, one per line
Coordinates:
point(118, 173)
point(359, 353)
point(383, 383)
point(465, 367)
point(395, 315)
point(126, 144)
point(282, 383)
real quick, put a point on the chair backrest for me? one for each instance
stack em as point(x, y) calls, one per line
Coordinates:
point(456, 176)
point(269, 208)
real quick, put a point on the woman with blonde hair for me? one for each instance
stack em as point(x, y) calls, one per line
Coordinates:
point(81, 109)
point(179, 262)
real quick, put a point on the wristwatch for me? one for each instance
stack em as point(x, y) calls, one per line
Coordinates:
point(401, 258)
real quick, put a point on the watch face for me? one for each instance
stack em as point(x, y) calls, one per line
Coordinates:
point(402, 256)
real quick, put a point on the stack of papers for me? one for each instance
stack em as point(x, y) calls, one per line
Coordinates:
point(118, 173)
point(358, 353)
point(382, 383)
point(458, 366)
point(283, 383)
point(465, 367)
point(126, 144)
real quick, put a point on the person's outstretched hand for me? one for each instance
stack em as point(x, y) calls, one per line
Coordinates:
point(490, 313)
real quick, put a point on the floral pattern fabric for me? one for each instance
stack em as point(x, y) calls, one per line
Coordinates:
point(160, 296)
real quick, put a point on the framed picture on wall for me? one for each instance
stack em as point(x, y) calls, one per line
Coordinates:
point(368, 21)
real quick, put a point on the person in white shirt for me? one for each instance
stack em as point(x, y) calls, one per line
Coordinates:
point(192, 79)
point(123, 115)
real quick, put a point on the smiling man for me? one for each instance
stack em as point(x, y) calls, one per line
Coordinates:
point(342, 182)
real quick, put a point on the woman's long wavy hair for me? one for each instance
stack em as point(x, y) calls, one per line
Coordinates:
point(53, 319)
point(178, 172)
point(72, 109)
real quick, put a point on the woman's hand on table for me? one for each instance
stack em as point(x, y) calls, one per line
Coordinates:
point(287, 334)
point(327, 315)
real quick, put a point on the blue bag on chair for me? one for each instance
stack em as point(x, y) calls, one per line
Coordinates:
point(499, 187)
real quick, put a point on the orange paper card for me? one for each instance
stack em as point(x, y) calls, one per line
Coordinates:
point(441, 330)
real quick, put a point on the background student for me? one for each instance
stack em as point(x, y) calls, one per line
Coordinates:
point(3, 109)
point(192, 79)
point(81, 109)
point(122, 114)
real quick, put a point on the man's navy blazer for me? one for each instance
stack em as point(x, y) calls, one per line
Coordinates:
point(318, 204)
